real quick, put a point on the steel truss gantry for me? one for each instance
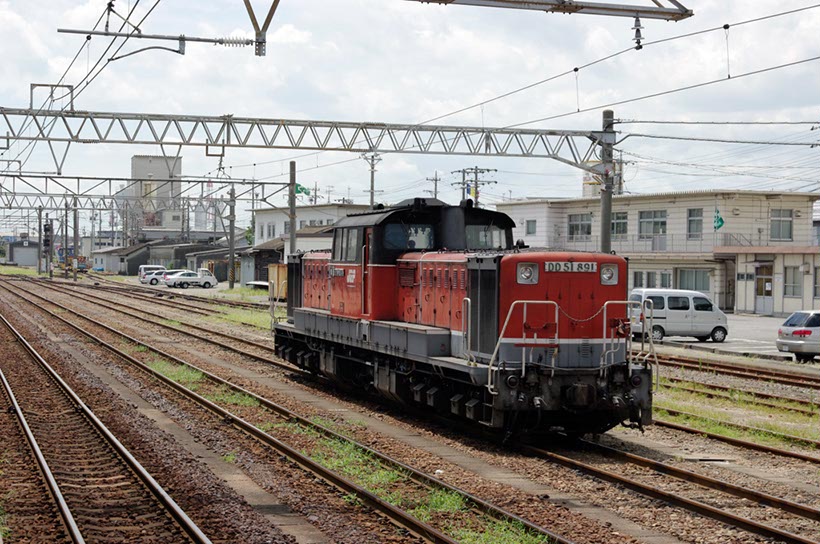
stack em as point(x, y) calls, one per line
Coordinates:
point(217, 133)
point(674, 13)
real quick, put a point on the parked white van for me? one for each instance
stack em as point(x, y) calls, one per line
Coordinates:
point(677, 312)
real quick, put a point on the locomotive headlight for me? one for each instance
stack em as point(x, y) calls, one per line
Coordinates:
point(527, 273)
point(609, 274)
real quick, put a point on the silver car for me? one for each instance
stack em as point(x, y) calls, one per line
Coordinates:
point(800, 334)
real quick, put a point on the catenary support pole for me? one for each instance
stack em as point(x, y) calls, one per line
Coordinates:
point(39, 240)
point(65, 241)
point(606, 181)
point(76, 260)
point(292, 207)
point(232, 239)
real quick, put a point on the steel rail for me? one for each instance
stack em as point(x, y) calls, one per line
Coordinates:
point(787, 437)
point(181, 518)
point(417, 527)
point(727, 394)
point(205, 300)
point(683, 502)
point(158, 297)
point(707, 481)
point(753, 373)
point(48, 477)
point(105, 303)
point(737, 441)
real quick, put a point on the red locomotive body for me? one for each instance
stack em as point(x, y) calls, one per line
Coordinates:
point(432, 305)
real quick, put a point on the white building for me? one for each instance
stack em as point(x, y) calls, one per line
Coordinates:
point(275, 222)
point(160, 206)
point(764, 258)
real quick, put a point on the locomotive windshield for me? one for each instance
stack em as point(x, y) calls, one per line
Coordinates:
point(409, 237)
point(486, 237)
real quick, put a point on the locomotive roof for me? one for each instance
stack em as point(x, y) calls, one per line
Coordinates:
point(421, 206)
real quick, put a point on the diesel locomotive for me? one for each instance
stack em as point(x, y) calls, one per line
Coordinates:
point(434, 306)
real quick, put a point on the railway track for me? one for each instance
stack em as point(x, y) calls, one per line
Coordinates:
point(101, 491)
point(177, 293)
point(665, 480)
point(756, 373)
point(694, 506)
point(249, 423)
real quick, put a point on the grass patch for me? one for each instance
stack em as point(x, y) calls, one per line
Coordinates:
point(229, 458)
point(255, 318)
point(180, 374)
point(226, 395)
point(498, 532)
point(17, 270)
point(439, 501)
point(764, 417)
point(243, 294)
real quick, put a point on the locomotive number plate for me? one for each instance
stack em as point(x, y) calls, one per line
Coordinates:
point(570, 267)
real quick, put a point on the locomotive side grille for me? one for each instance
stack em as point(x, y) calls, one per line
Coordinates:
point(407, 277)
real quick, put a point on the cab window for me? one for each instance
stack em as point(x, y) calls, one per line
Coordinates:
point(702, 304)
point(352, 244)
point(408, 237)
point(486, 237)
point(678, 303)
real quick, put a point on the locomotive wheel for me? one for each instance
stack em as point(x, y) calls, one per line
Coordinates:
point(719, 334)
point(657, 333)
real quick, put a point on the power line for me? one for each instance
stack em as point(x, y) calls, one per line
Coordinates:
point(716, 140)
point(648, 122)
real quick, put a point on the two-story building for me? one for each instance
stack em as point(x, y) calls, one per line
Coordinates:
point(750, 251)
point(274, 223)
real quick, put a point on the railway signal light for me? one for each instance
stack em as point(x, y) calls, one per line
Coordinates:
point(46, 242)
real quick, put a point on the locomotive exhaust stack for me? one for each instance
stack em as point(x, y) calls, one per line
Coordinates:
point(433, 306)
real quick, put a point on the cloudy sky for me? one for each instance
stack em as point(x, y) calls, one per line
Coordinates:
point(406, 62)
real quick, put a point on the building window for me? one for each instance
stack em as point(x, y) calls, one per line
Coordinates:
point(817, 282)
point(313, 222)
point(694, 280)
point(261, 232)
point(530, 226)
point(694, 223)
point(793, 286)
point(580, 226)
point(620, 224)
point(666, 280)
point(637, 279)
point(781, 224)
point(302, 224)
point(651, 223)
point(651, 279)
point(271, 230)
point(287, 227)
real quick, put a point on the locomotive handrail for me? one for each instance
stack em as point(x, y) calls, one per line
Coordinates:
point(275, 306)
point(648, 339)
point(609, 334)
point(490, 385)
point(466, 326)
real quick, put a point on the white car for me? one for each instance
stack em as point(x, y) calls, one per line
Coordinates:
point(146, 269)
point(187, 279)
point(800, 334)
point(153, 278)
point(168, 273)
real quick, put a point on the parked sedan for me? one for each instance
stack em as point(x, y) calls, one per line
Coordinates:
point(153, 278)
point(187, 279)
point(169, 273)
point(800, 334)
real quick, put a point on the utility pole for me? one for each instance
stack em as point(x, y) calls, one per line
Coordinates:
point(607, 143)
point(372, 159)
point(435, 179)
point(39, 240)
point(315, 192)
point(292, 206)
point(463, 182)
point(76, 260)
point(475, 171)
